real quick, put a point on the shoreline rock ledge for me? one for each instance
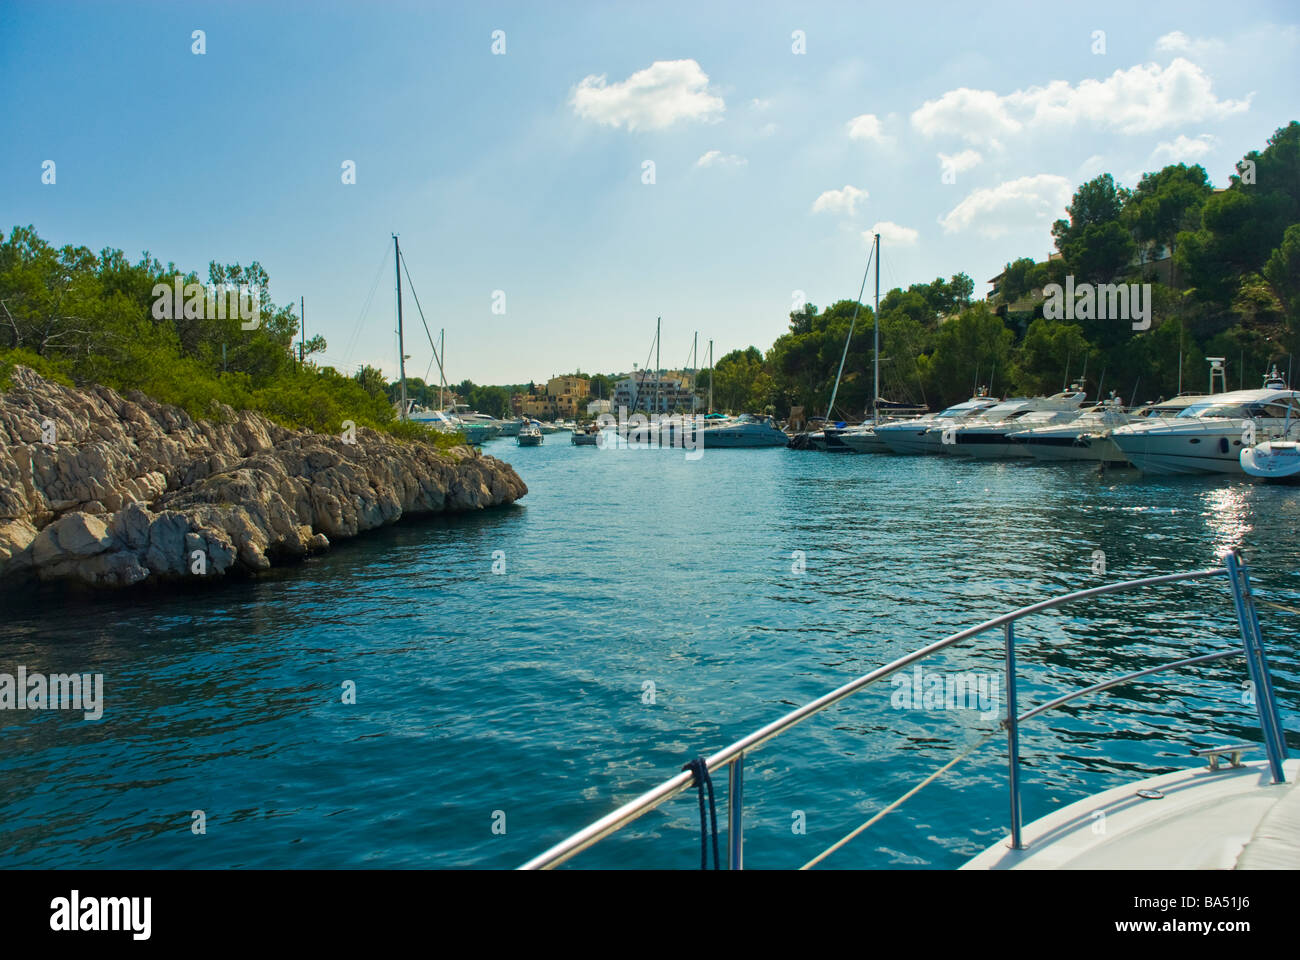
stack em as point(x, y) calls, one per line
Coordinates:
point(135, 491)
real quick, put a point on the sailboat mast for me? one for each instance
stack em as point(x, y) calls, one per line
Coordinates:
point(658, 327)
point(875, 377)
point(710, 376)
point(442, 369)
point(401, 341)
point(695, 366)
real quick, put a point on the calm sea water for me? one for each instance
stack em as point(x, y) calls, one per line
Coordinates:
point(524, 692)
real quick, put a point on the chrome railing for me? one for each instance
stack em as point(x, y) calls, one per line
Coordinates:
point(732, 756)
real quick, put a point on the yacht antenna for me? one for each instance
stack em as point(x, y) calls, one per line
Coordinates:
point(401, 343)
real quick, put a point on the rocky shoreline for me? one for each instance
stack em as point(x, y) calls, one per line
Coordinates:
point(111, 491)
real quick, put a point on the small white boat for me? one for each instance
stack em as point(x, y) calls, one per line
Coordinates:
point(529, 436)
point(1273, 460)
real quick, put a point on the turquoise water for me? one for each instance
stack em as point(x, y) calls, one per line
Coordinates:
point(524, 692)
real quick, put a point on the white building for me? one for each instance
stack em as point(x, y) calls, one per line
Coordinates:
point(646, 392)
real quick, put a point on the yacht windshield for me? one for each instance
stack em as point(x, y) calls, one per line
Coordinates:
point(1212, 409)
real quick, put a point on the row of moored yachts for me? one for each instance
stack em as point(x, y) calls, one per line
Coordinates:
point(1243, 431)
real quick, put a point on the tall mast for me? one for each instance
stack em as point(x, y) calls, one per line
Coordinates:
point(695, 367)
point(710, 376)
point(442, 369)
point(302, 340)
point(401, 341)
point(875, 380)
point(658, 374)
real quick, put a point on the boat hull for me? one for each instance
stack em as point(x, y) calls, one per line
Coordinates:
point(1175, 455)
point(911, 440)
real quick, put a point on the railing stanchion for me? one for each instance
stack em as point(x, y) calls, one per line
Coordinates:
point(1257, 665)
point(1013, 735)
point(736, 814)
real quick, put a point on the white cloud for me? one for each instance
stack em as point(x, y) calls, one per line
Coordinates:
point(1183, 149)
point(892, 234)
point(759, 103)
point(960, 162)
point(651, 99)
point(840, 201)
point(866, 127)
point(1020, 204)
point(1179, 42)
point(978, 116)
point(1137, 100)
point(716, 158)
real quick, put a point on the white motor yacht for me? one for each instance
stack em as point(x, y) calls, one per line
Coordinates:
point(746, 430)
point(1094, 441)
point(913, 436)
point(1064, 441)
point(985, 436)
point(1208, 436)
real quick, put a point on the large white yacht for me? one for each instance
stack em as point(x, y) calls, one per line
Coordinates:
point(1064, 441)
point(1208, 436)
point(1094, 441)
point(985, 436)
point(913, 436)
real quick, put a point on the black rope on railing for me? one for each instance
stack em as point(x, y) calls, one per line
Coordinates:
point(700, 770)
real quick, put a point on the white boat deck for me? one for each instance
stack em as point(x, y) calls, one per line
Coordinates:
point(1226, 819)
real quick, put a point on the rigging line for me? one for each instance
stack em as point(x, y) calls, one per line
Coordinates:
point(1279, 606)
point(356, 330)
point(411, 283)
point(897, 803)
point(830, 408)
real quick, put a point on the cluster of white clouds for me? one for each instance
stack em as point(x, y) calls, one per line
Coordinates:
point(655, 98)
point(1138, 100)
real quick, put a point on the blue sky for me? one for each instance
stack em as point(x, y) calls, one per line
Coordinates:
point(523, 172)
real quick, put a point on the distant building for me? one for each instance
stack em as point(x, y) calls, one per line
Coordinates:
point(643, 390)
point(596, 407)
point(562, 398)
